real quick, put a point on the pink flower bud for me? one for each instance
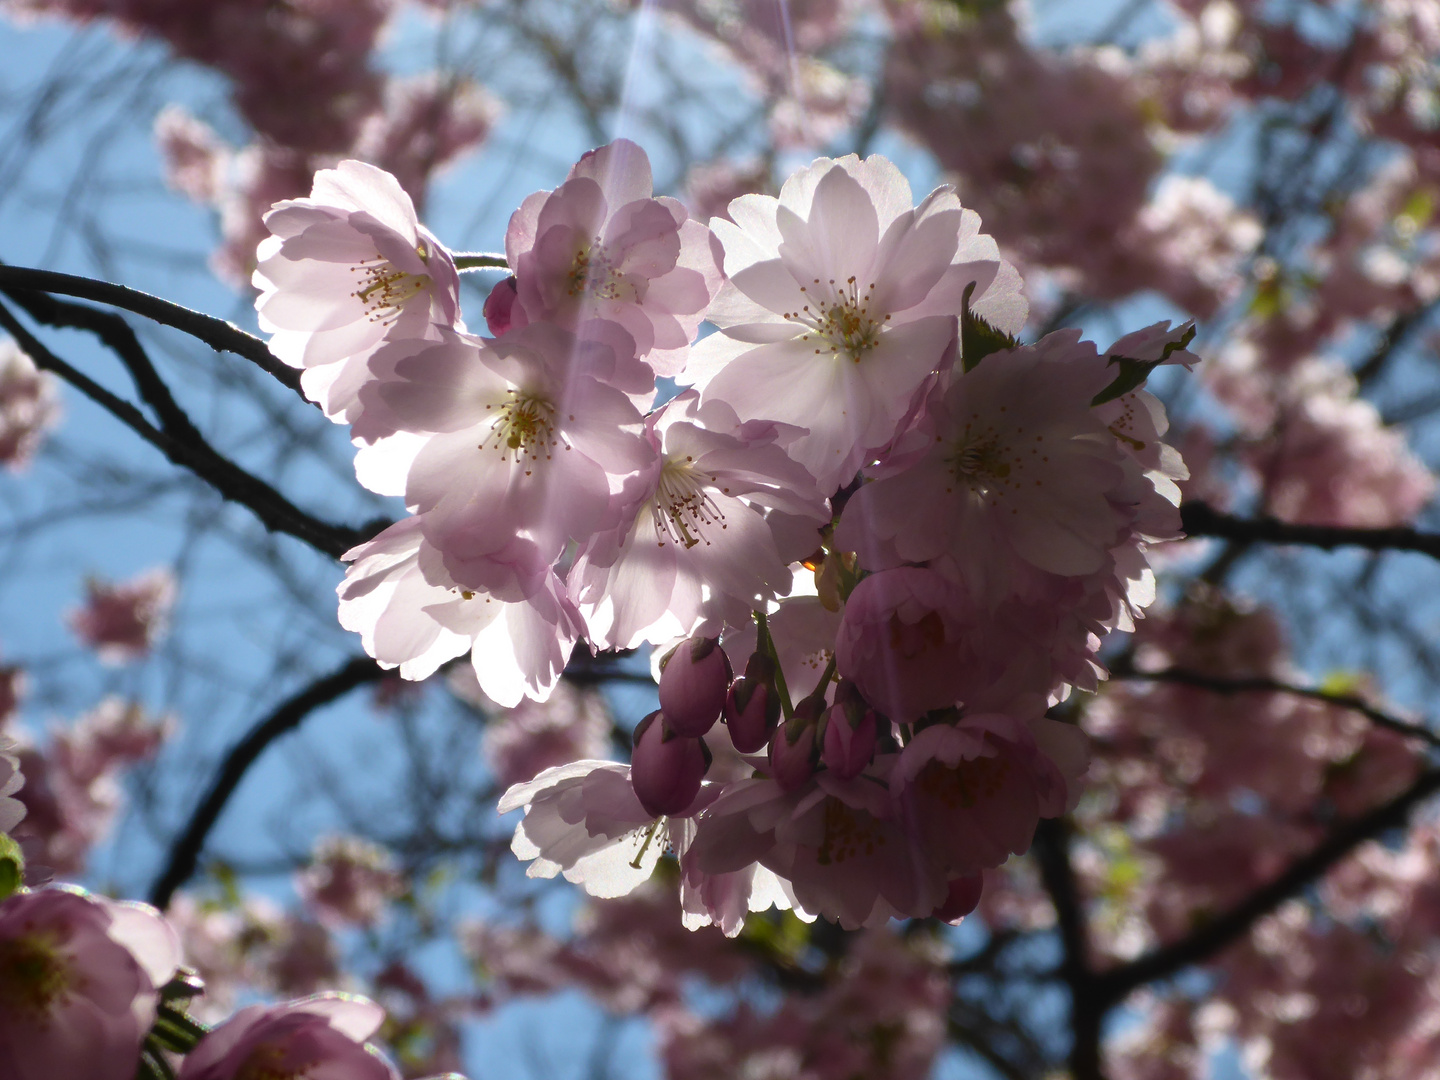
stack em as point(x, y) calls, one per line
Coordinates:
point(693, 682)
point(793, 752)
point(961, 899)
point(666, 768)
point(500, 306)
point(849, 734)
point(752, 706)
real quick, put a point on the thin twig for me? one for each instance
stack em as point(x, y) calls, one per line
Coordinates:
point(275, 511)
point(185, 851)
point(1111, 987)
point(217, 333)
point(1201, 519)
point(1261, 684)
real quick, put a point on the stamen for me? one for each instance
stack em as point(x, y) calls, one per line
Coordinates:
point(524, 427)
point(683, 509)
point(846, 325)
point(32, 976)
point(594, 273)
point(384, 289)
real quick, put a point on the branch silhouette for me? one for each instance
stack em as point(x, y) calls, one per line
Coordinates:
point(184, 854)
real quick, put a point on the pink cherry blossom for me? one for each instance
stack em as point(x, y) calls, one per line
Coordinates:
point(425, 122)
point(585, 820)
point(72, 792)
point(349, 881)
point(529, 435)
point(78, 979)
point(572, 724)
point(29, 405)
point(600, 246)
point(410, 614)
point(345, 270)
point(123, 622)
point(321, 1036)
point(1010, 470)
point(975, 790)
point(695, 544)
point(841, 302)
point(837, 842)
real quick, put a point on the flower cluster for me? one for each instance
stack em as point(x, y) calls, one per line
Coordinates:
point(916, 529)
point(93, 987)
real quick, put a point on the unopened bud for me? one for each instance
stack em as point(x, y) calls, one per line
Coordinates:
point(850, 733)
point(693, 682)
point(962, 898)
point(752, 705)
point(666, 768)
point(499, 307)
point(793, 750)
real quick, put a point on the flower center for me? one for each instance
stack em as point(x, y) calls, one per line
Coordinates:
point(980, 461)
point(385, 289)
point(268, 1063)
point(843, 326)
point(966, 785)
point(524, 426)
point(683, 508)
point(593, 273)
point(32, 976)
point(848, 833)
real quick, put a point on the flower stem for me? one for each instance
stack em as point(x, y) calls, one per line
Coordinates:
point(479, 260)
point(767, 643)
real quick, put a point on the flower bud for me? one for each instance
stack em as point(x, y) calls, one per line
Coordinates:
point(962, 898)
point(693, 682)
point(850, 730)
point(793, 750)
point(666, 768)
point(752, 705)
point(500, 306)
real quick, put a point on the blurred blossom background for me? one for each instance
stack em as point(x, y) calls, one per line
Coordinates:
point(1250, 886)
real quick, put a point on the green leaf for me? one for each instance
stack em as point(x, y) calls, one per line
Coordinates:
point(978, 339)
point(12, 867)
point(1133, 373)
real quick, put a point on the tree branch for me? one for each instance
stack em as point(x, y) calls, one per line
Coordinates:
point(184, 446)
point(185, 851)
point(1260, 684)
point(1202, 519)
point(1087, 1011)
point(1113, 986)
point(217, 333)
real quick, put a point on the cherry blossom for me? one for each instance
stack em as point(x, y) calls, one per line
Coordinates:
point(518, 632)
point(600, 246)
point(585, 820)
point(29, 405)
point(696, 545)
point(345, 270)
point(349, 881)
point(322, 1035)
point(1010, 460)
point(573, 723)
point(528, 435)
point(841, 301)
point(123, 622)
point(78, 976)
